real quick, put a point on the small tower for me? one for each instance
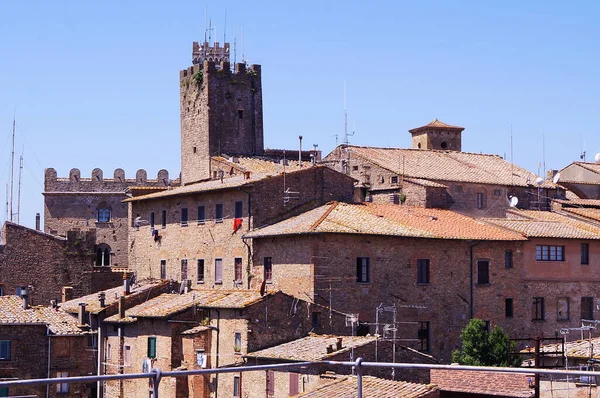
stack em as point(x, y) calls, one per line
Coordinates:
point(437, 135)
point(221, 110)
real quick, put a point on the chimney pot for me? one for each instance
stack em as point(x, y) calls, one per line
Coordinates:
point(339, 343)
point(102, 299)
point(25, 297)
point(37, 221)
point(82, 314)
point(126, 284)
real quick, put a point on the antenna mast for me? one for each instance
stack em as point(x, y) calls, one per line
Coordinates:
point(345, 117)
point(225, 30)
point(12, 169)
point(19, 191)
point(243, 56)
point(234, 44)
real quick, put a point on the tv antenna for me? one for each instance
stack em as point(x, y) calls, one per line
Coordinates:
point(513, 201)
point(597, 158)
point(556, 178)
point(346, 134)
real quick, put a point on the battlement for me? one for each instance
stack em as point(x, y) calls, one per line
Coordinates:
point(97, 183)
point(223, 69)
point(206, 52)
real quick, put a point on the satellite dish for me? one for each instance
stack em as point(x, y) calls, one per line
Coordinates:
point(597, 158)
point(539, 181)
point(556, 178)
point(513, 201)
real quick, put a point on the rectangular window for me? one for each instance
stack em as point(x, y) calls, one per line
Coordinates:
point(108, 352)
point(268, 269)
point(239, 209)
point(4, 350)
point(423, 270)
point(152, 220)
point(587, 308)
point(270, 383)
point(549, 253)
point(218, 270)
point(200, 271)
point(201, 215)
point(363, 272)
point(294, 389)
point(152, 347)
point(538, 313)
point(184, 217)
point(483, 272)
point(163, 220)
point(127, 355)
point(184, 269)
point(238, 270)
point(237, 342)
point(219, 212)
point(423, 336)
point(585, 253)
point(394, 180)
point(236, 386)
point(480, 200)
point(508, 259)
point(62, 387)
point(241, 113)
point(163, 269)
point(563, 311)
point(103, 215)
point(316, 318)
point(508, 307)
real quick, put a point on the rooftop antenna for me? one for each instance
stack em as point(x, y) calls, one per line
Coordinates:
point(583, 150)
point(19, 190)
point(205, 25)
point(210, 28)
point(225, 29)
point(597, 158)
point(12, 167)
point(243, 56)
point(544, 152)
point(346, 135)
point(512, 163)
point(234, 43)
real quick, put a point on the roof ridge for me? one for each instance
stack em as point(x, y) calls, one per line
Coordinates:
point(324, 216)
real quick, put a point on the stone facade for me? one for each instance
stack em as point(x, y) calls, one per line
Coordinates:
point(209, 240)
point(221, 112)
point(46, 264)
point(86, 204)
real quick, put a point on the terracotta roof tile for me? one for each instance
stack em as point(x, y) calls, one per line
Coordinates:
point(386, 219)
point(438, 165)
point(592, 214)
point(312, 347)
point(578, 349)
point(257, 165)
point(373, 387)
point(546, 224)
point(479, 382)
point(58, 321)
point(436, 124)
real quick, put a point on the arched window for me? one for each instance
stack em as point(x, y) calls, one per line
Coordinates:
point(102, 255)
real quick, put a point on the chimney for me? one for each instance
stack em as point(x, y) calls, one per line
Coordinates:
point(126, 282)
point(300, 152)
point(339, 343)
point(25, 297)
point(122, 307)
point(67, 293)
point(102, 299)
point(81, 314)
point(330, 348)
point(53, 304)
point(37, 221)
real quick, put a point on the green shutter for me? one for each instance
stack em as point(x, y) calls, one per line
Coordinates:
point(152, 347)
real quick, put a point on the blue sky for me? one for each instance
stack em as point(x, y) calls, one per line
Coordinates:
point(95, 83)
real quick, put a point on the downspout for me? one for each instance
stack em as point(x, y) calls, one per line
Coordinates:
point(217, 361)
point(472, 277)
point(49, 346)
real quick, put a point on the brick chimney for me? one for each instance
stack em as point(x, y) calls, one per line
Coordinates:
point(102, 299)
point(339, 343)
point(67, 293)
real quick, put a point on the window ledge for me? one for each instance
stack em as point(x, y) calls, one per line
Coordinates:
point(363, 283)
point(269, 282)
point(218, 282)
point(483, 284)
point(199, 282)
point(423, 283)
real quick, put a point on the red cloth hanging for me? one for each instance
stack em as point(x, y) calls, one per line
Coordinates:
point(237, 224)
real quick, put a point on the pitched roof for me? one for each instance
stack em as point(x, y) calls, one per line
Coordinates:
point(436, 124)
point(478, 382)
point(312, 347)
point(546, 224)
point(578, 349)
point(439, 165)
point(58, 321)
point(592, 214)
point(388, 220)
point(373, 387)
point(257, 165)
point(169, 304)
point(112, 297)
point(593, 167)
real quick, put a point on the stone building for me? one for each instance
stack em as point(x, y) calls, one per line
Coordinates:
point(86, 204)
point(581, 178)
point(201, 329)
point(48, 265)
point(41, 342)
point(436, 173)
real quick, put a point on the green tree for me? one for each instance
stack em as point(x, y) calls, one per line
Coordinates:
point(480, 348)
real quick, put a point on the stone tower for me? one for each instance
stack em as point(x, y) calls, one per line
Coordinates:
point(221, 110)
point(437, 135)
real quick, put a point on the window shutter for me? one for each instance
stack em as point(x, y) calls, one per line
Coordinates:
point(270, 383)
point(151, 347)
point(293, 384)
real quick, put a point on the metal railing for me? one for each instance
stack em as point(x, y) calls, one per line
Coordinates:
point(156, 375)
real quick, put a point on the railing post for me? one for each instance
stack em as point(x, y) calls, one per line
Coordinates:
point(359, 372)
point(156, 381)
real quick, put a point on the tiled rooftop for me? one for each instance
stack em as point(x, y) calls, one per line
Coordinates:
point(593, 167)
point(440, 165)
point(386, 219)
point(169, 304)
point(546, 224)
point(484, 383)
point(311, 348)
point(592, 214)
point(578, 349)
point(436, 124)
point(58, 321)
point(373, 387)
point(257, 165)
point(112, 297)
